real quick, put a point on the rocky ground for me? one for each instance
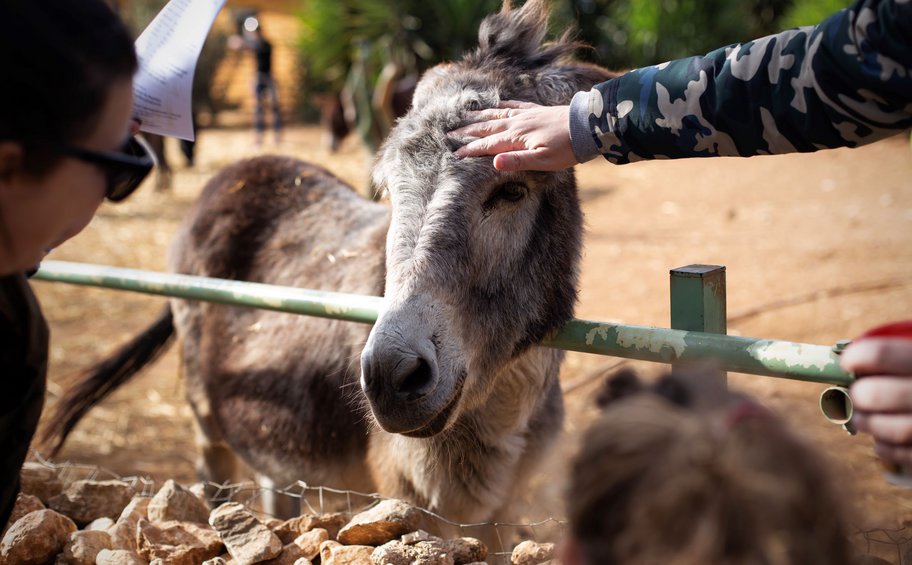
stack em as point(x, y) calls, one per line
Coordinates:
point(91, 522)
point(817, 248)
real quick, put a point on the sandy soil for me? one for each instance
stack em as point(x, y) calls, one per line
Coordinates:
point(831, 230)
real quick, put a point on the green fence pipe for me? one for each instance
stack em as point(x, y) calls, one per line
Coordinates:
point(773, 358)
point(797, 361)
point(336, 305)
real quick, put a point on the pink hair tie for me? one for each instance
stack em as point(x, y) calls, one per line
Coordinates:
point(745, 410)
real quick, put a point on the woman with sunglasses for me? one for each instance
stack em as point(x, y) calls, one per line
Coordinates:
point(65, 145)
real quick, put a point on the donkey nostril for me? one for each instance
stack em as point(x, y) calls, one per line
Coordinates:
point(414, 382)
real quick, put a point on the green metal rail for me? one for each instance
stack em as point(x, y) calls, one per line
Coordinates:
point(798, 361)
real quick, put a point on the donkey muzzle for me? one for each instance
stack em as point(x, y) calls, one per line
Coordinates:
point(401, 382)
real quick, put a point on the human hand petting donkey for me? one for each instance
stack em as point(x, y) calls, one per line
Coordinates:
point(522, 136)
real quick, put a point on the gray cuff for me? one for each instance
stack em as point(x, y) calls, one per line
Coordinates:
point(581, 140)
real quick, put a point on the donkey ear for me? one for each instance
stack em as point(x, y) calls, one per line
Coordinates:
point(514, 35)
point(513, 40)
point(557, 83)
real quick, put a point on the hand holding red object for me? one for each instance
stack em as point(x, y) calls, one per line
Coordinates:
point(882, 395)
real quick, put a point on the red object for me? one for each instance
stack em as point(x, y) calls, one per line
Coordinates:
point(897, 474)
point(896, 329)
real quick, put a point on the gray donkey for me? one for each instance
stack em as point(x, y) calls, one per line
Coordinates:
point(456, 400)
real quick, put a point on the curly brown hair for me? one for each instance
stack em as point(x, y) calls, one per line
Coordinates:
point(667, 476)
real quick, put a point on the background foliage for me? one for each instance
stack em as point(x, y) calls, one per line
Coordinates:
point(347, 43)
point(633, 33)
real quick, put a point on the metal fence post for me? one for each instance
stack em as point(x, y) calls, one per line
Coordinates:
point(698, 301)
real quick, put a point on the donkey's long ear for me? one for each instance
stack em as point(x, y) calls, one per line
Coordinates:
point(513, 40)
point(514, 36)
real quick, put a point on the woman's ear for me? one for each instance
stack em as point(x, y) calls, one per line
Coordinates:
point(11, 160)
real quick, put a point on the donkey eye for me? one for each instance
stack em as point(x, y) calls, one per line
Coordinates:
point(510, 192)
point(506, 192)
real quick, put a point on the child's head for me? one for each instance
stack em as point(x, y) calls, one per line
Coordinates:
point(687, 474)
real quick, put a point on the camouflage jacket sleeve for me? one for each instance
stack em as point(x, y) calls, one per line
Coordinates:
point(844, 82)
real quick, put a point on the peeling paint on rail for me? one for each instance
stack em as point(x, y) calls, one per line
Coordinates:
point(651, 340)
point(791, 354)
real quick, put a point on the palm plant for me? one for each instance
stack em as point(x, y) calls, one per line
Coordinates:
point(349, 44)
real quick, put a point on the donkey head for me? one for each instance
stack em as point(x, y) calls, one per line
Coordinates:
point(481, 264)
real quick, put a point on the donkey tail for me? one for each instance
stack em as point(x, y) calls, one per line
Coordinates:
point(95, 384)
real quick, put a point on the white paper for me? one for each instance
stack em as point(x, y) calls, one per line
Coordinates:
point(168, 50)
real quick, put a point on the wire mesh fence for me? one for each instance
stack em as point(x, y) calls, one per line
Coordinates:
point(874, 545)
point(891, 545)
point(320, 500)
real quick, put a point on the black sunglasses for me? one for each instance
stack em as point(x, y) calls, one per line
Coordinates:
point(125, 169)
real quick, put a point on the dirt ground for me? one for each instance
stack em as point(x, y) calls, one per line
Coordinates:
point(821, 243)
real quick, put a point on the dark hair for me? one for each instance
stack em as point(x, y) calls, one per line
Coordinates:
point(666, 476)
point(58, 59)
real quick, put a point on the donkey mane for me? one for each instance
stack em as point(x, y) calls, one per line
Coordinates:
point(511, 62)
point(515, 38)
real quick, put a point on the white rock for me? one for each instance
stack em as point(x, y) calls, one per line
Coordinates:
point(123, 534)
point(84, 501)
point(177, 543)
point(173, 502)
point(384, 522)
point(119, 557)
point(532, 553)
point(36, 538)
point(247, 539)
point(83, 547)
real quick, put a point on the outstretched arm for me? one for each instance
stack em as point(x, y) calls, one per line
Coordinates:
point(845, 82)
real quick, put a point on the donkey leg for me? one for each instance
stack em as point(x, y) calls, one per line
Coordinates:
point(216, 464)
point(499, 539)
point(276, 503)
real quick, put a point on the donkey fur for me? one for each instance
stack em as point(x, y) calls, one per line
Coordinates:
point(477, 266)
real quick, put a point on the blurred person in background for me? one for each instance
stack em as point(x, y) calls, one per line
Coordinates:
point(66, 144)
point(264, 85)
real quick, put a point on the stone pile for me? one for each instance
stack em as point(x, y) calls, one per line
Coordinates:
point(105, 523)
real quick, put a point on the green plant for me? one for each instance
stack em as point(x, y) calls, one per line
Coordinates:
point(347, 44)
point(633, 33)
point(811, 12)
